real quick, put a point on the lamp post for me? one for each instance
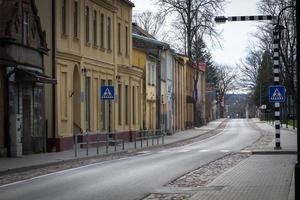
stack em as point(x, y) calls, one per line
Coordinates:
point(279, 28)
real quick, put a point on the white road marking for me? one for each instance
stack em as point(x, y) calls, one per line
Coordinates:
point(144, 152)
point(245, 151)
point(183, 150)
point(225, 151)
point(203, 150)
point(164, 151)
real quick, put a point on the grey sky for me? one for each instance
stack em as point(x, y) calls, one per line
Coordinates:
point(235, 35)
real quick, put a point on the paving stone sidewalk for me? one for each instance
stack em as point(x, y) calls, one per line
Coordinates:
point(267, 176)
point(259, 177)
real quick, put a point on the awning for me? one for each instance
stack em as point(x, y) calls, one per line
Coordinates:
point(33, 76)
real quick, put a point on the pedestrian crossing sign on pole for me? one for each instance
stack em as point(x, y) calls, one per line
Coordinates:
point(277, 93)
point(107, 93)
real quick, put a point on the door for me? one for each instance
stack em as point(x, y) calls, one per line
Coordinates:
point(27, 139)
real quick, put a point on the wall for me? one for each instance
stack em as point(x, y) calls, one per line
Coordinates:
point(44, 11)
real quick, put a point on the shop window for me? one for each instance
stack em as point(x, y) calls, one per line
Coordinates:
point(103, 106)
point(120, 104)
point(88, 102)
point(133, 106)
point(38, 112)
point(126, 104)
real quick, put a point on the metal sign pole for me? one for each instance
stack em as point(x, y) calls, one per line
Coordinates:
point(276, 82)
point(297, 166)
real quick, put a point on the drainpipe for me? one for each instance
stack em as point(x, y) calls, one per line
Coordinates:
point(53, 66)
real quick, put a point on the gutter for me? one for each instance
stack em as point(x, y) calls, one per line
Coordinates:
point(151, 41)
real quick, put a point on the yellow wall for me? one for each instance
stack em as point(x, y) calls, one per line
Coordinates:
point(180, 97)
point(77, 59)
point(139, 58)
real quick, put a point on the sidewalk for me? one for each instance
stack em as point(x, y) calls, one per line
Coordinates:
point(260, 177)
point(44, 159)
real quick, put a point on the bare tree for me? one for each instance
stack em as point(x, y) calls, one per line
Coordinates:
point(249, 68)
point(287, 38)
point(193, 17)
point(150, 21)
point(226, 82)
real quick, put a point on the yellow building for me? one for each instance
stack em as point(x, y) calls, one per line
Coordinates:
point(148, 64)
point(189, 88)
point(179, 90)
point(91, 47)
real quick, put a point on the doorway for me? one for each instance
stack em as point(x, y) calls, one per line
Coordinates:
point(76, 102)
point(27, 139)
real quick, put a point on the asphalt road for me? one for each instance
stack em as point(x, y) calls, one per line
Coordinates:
point(134, 177)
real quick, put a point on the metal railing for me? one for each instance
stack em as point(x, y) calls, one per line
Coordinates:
point(87, 143)
point(146, 135)
point(87, 140)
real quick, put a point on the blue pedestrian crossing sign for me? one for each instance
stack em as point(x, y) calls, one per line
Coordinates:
point(276, 93)
point(107, 92)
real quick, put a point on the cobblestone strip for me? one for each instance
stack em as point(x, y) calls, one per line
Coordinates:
point(160, 196)
point(200, 177)
point(207, 173)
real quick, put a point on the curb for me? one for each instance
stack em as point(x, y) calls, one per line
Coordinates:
point(274, 152)
point(215, 131)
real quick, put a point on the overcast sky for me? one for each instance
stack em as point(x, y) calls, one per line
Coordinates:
point(235, 37)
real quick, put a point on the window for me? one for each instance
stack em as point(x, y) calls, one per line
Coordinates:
point(133, 105)
point(95, 28)
point(64, 98)
point(119, 37)
point(88, 102)
point(87, 24)
point(37, 112)
point(149, 73)
point(126, 41)
point(108, 33)
point(103, 109)
point(153, 74)
point(75, 19)
point(102, 31)
point(126, 104)
point(64, 17)
point(25, 27)
point(120, 104)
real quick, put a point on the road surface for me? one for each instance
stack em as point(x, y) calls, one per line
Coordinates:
point(133, 177)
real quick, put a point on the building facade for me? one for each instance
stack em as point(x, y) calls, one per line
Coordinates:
point(179, 93)
point(91, 47)
point(22, 49)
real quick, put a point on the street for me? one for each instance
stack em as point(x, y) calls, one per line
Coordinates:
point(133, 177)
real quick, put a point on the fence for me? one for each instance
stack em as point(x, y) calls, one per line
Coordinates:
point(88, 140)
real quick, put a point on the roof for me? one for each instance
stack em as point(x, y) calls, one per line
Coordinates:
point(140, 31)
point(151, 41)
point(129, 3)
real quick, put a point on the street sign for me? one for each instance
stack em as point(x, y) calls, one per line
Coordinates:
point(277, 93)
point(107, 93)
